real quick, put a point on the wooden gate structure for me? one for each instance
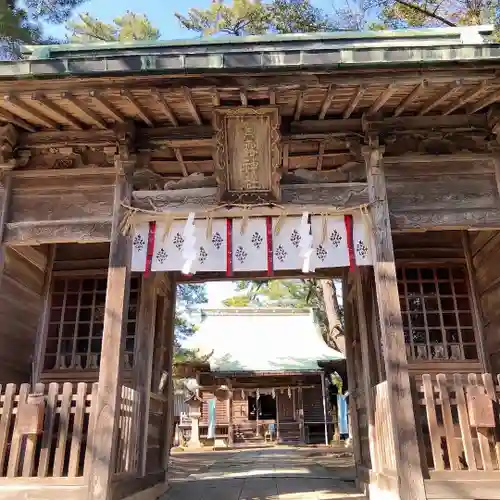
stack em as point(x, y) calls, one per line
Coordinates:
point(400, 130)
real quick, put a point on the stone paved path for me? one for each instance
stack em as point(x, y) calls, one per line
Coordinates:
point(266, 474)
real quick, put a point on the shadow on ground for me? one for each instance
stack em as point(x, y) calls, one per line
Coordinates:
point(267, 474)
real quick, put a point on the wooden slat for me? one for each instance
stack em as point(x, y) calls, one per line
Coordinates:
point(448, 422)
point(490, 390)
point(77, 432)
point(31, 442)
point(434, 434)
point(482, 435)
point(50, 416)
point(5, 421)
point(64, 417)
point(90, 432)
point(463, 418)
point(17, 439)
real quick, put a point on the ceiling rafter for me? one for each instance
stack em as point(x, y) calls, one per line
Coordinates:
point(8, 117)
point(192, 107)
point(56, 110)
point(467, 97)
point(107, 106)
point(408, 100)
point(85, 110)
point(325, 105)
point(166, 109)
point(436, 101)
point(350, 108)
point(17, 102)
point(321, 153)
point(299, 105)
point(180, 159)
point(382, 99)
point(486, 101)
point(137, 107)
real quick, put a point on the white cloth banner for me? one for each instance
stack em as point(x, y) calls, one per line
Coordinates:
point(249, 248)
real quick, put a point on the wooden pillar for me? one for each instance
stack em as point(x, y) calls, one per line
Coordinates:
point(323, 394)
point(351, 375)
point(143, 360)
point(410, 483)
point(477, 316)
point(367, 356)
point(106, 406)
point(41, 336)
point(230, 430)
point(169, 331)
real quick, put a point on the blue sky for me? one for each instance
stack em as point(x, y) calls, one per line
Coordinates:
point(160, 12)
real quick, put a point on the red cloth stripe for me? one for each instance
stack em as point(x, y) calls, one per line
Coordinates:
point(269, 242)
point(229, 247)
point(350, 241)
point(151, 247)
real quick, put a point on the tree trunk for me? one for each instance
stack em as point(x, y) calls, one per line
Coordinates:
point(335, 331)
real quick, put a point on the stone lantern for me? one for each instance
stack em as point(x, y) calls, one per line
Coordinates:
point(194, 403)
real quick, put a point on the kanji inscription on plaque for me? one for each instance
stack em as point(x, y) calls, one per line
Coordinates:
point(247, 154)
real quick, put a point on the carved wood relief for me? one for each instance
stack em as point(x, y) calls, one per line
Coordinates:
point(247, 154)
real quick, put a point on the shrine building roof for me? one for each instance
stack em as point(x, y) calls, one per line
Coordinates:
point(271, 52)
point(262, 340)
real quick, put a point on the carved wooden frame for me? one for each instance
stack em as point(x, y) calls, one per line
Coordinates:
point(222, 155)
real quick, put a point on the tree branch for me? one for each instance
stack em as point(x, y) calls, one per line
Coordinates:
point(426, 12)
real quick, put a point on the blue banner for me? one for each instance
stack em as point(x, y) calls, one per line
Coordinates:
point(211, 419)
point(342, 409)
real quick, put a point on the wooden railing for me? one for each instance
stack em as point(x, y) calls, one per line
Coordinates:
point(61, 449)
point(449, 409)
point(384, 459)
point(128, 437)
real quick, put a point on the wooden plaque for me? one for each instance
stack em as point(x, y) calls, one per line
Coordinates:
point(31, 415)
point(247, 159)
point(480, 408)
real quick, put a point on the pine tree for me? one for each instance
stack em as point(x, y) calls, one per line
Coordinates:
point(129, 27)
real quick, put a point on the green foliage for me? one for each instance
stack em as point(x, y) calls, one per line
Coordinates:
point(21, 21)
point(255, 17)
point(129, 27)
point(241, 17)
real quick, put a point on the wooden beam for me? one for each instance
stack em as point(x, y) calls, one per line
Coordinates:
point(436, 101)
point(107, 106)
point(316, 196)
point(286, 149)
point(351, 107)
point(410, 97)
point(382, 99)
point(180, 159)
point(85, 110)
point(486, 101)
point(143, 360)
point(325, 105)
point(5, 202)
point(316, 128)
point(28, 110)
point(192, 107)
point(272, 96)
point(299, 105)
point(467, 97)
point(137, 107)
point(406, 450)
point(107, 402)
point(90, 230)
point(56, 110)
point(166, 109)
